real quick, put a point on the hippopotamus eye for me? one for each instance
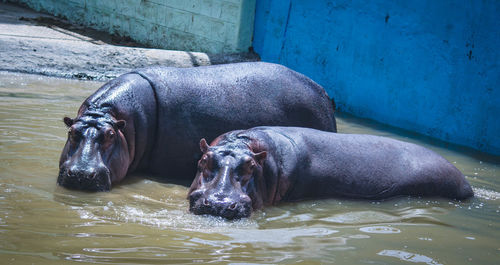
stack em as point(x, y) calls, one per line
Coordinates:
point(247, 167)
point(202, 164)
point(246, 171)
point(110, 134)
point(206, 161)
point(250, 164)
point(207, 173)
point(73, 134)
point(203, 160)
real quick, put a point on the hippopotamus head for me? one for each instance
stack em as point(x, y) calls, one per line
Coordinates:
point(225, 184)
point(96, 153)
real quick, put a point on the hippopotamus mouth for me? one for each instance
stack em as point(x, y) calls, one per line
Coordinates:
point(82, 181)
point(228, 209)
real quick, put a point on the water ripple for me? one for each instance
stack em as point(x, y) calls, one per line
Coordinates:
point(486, 194)
point(380, 230)
point(408, 256)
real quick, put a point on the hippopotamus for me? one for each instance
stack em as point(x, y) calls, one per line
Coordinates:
point(244, 170)
point(152, 119)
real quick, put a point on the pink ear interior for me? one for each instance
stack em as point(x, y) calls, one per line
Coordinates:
point(260, 157)
point(120, 124)
point(203, 145)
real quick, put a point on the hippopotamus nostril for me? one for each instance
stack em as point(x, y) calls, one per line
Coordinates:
point(72, 171)
point(92, 175)
point(224, 208)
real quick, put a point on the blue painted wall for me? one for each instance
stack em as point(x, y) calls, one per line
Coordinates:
point(424, 65)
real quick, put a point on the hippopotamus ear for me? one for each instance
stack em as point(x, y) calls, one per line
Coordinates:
point(68, 121)
point(203, 145)
point(120, 125)
point(260, 157)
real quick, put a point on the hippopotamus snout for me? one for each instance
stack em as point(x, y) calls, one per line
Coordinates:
point(234, 206)
point(86, 178)
point(94, 154)
point(224, 184)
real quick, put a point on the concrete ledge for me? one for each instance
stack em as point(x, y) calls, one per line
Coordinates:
point(213, 26)
point(31, 42)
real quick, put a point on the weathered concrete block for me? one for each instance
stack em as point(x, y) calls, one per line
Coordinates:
point(182, 39)
point(196, 25)
point(147, 11)
point(80, 3)
point(160, 15)
point(211, 8)
point(192, 6)
point(231, 31)
point(208, 27)
point(125, 2)
point(122, 24)
point(245, 30)
point(161, 36)
point(108, 5)
point(178, 19)
point(229, 11)
point(126, 10)
point(138, 29)
point(177, 4)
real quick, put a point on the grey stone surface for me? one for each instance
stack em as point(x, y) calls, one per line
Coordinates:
point(32, 42)
point(213, 26)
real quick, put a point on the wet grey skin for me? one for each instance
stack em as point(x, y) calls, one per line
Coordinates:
point(244, 170)
point(151, 120)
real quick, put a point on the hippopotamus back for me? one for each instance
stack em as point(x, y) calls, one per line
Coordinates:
point(207, 101)
point(322, 164)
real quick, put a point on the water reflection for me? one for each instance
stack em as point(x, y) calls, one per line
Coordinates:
point(380, 230)
point(147, 222)
point(407, 256)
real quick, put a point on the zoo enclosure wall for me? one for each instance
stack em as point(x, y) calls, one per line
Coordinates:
point(423, 65)
point(212, 26)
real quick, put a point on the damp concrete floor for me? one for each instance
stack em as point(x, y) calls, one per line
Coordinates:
point(37, 43)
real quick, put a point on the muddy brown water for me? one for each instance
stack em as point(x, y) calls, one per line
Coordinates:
point(144, 221)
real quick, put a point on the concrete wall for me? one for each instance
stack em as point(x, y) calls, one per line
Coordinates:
point(214, 26)
point(423, 65)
